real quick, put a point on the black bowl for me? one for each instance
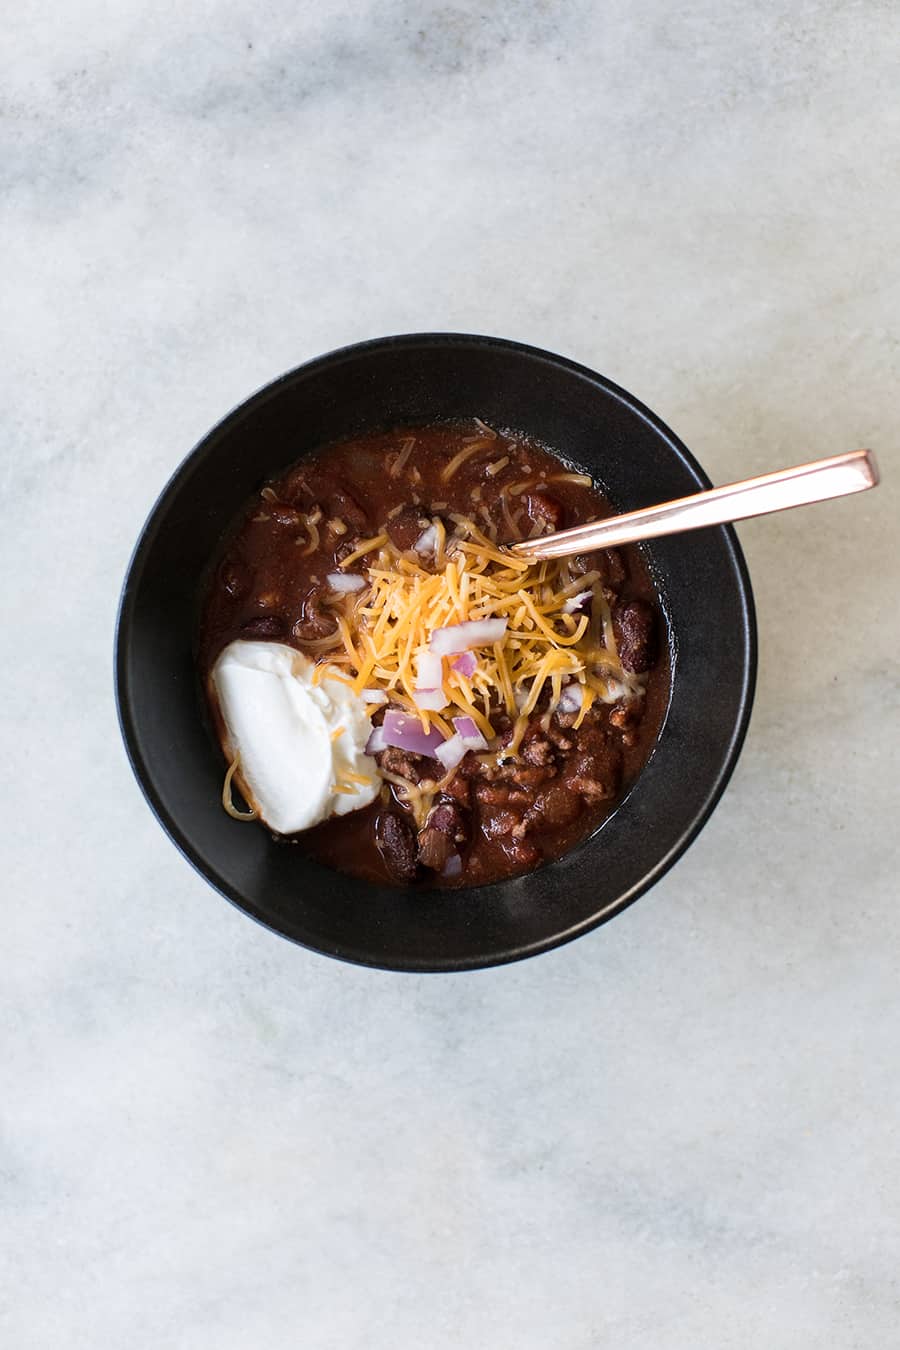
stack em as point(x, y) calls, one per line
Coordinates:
point(703, 585)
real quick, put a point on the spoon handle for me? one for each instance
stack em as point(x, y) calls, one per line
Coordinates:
point(814, 482)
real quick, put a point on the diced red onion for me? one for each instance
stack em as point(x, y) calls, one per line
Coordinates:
point(461, 637)
point(405, 732)
point(577, 602)
point(376, 742)
point(452, 752)
point(453, 866)
point(429, 700)
point(571, 698)
point(429, 671)
point(466, 663)
point(345, 582)
point(374, 696)
point(468, 732)
point(426, 542)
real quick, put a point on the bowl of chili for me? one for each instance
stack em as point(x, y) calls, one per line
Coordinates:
point(700, 698)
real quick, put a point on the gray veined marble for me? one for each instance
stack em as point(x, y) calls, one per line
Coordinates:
point(678, 1132)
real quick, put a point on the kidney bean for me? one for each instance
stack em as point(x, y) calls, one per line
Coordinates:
point(396, 842)
point(634, 627)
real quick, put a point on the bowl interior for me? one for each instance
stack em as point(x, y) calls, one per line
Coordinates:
point(703, 586)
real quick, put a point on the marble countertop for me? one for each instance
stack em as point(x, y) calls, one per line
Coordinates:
point(678, 1132)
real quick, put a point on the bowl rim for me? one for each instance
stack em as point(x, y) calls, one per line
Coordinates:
point(133, 572)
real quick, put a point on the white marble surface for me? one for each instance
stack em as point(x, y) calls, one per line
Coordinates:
point(678, 1132)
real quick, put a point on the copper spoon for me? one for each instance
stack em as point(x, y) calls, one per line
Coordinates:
point(836, 476)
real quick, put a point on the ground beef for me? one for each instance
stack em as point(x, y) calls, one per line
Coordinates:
point(471, 767)
point(625, 717)
point(555, 805)
point(559, 733)
point(404, 764)
point(460, 790)
point(527, 776)
point(492, 795)
point(594, 777)
point(594, 771)
point(538, 749)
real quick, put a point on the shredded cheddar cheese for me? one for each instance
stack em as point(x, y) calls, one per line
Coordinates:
point(367, 546)
point(388, 627)
point(461, 456)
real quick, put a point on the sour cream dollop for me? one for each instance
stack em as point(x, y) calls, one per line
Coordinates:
point(283, 727)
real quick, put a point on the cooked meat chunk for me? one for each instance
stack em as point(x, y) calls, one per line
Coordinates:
point(593, 790)
point(313, 621)
point(625, 718)
point(406, 526)
point(471, 767)
point(501, 794)
point(527, 776)
point(404, 764)
point(300, 487)
point(555, 805)
point(612, 569)
point(608, 562)
point(594, 769)
point(537, 749)
point(499, 823)
point(594, 776)
point(590, 738)
point(460, 790)
point(310, 486)
point(521, 854)
point(559, 730)
point(342, 505)
point(435, 848)
point(634, 628)
point(395, 840)
point(544, 510)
